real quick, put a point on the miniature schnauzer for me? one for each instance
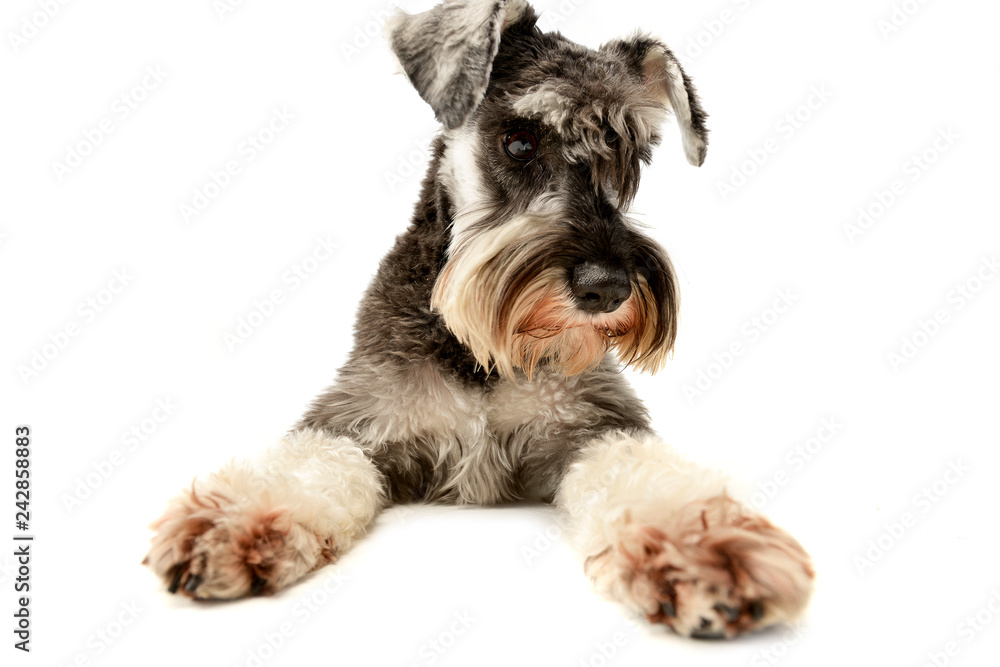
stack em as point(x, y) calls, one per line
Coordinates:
point(488, 349)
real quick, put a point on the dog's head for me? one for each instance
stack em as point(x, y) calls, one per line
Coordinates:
point(543, 144)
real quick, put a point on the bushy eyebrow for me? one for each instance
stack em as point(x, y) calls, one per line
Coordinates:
point(612, 156)
point(612, 139)
point(621, 170)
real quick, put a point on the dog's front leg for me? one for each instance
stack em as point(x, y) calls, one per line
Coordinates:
point(256, 527)
point(660, 535)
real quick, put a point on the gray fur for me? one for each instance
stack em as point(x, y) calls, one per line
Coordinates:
point(447, 53)
point(439, 422)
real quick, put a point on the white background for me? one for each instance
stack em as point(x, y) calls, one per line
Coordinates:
point(332, 173)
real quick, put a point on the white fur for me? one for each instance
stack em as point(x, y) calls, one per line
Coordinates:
point(331, 485)
point(460, 174)
point(620, 478)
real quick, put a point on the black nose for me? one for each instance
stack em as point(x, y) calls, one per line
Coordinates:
point(599, 288)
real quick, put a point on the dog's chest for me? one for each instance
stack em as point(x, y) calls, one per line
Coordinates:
point(429, 405)
point(442, 438)
point(535, 406)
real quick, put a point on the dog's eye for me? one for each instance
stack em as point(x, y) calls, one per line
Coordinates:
point(610, 137)
point(521, 145)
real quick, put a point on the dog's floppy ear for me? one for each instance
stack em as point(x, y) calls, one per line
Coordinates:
point(667, 82)
point(447, 52)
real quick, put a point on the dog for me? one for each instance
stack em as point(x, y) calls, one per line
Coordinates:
point(488, 349)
